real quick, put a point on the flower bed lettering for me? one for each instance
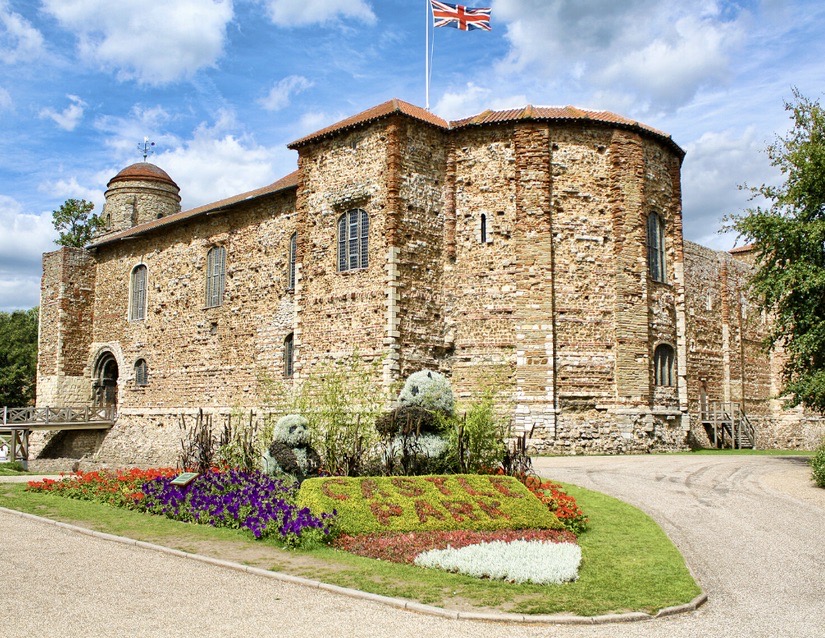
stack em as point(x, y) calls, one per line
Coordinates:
point(420, 503)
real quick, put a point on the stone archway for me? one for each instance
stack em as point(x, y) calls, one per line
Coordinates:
point(105, 381)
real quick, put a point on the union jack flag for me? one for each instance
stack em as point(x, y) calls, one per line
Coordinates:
point(459, 17)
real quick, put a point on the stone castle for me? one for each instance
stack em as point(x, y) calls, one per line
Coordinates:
point(541, 247)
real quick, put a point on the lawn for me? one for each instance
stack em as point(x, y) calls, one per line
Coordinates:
point(628, 563)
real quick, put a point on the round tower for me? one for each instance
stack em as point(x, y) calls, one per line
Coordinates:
point(138, 194)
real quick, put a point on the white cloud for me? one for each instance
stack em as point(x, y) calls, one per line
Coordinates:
point(473, 100)
point(715, 166)
point(217, 163)
point(68, 118)
point(151, 42)
point(656, 55)
point(19, 40)
point(5, 99)
point(281, 92)
point(298, 13)
point(24, 239)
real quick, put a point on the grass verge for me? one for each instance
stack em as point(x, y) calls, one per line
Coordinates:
point(628, 564)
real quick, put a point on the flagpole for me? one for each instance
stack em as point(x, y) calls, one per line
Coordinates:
point(427, 52)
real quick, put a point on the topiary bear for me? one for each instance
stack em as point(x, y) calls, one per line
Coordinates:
point(290, 451)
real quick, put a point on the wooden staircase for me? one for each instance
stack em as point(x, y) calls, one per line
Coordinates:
point(727, 425)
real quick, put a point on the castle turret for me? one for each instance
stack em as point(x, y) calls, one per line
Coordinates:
point(138, 194)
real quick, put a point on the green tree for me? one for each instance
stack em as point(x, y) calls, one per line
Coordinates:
point(76, 223)
point(788, 236)
point(18, 357)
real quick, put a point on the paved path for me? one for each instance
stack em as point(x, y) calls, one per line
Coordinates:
point(750, 527)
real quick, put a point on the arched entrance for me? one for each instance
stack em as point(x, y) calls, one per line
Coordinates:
point(105, 385)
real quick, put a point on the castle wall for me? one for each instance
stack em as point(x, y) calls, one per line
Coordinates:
point(65, 331)
point(340, 313)
point(511, 256)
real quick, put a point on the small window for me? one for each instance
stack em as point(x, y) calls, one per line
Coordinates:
point(137, 302)
point(215, 276)
point(353, 240)
point(293, 253)
point(656, 247)
point(663, 360)
point(483, 234)
point(141, 373)
point(289, 354)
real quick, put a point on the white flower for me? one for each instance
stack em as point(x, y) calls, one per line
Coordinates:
point(517, 561)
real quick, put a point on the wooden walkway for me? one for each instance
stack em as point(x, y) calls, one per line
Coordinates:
point(18, 423)
point(727, 425)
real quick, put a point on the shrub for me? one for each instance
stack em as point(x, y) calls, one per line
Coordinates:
point(421, 503)
point(818, 465)
point(429, 390)
point(477, 439)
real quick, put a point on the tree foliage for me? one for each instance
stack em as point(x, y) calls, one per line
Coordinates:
point(76, 223)
point(18, 357)
point(789, 241)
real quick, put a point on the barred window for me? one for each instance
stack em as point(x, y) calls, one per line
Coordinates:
point(663, 368)
point(137, 301)
point(656, 247)
point(141, 372)
point(289, 354)
point(293, 251)
point(353, 240)
point(215, 276)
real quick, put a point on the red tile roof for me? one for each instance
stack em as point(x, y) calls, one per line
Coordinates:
point(563, 114)
point(527, 113)
point(143, 171)
point(742, 249)
point(283, 184)
point(391, 107)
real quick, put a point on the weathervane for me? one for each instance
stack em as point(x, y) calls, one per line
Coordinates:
point(146, 147)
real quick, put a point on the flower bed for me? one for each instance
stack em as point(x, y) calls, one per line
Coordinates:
point(232, 498)
point(422, 503)
point(559, 502)
point(403, 547)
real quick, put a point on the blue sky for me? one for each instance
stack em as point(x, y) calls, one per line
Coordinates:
point(221, 86)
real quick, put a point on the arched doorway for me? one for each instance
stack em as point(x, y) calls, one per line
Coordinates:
point(105, 385)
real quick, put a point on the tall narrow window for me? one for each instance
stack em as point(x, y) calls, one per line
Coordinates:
point(141, 372)
point(289, 354)
point(483, 228)
point(353, 240)
point(656, 247)
point(215, 276)
point(137, 303)
point(293, 253)
point(663, 360)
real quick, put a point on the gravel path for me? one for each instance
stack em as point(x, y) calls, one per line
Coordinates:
point(751, 528)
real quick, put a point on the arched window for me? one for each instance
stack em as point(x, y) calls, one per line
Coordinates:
point(353, 240)
point(656, 247)
point(483, 236)
point(293, 253)
point(137, 300)
point(215, 276)
point(663, 365)
point(141, 372)
point(289, 354)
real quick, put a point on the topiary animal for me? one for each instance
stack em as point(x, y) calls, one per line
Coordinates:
point(429, 390)
point(290, 451)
